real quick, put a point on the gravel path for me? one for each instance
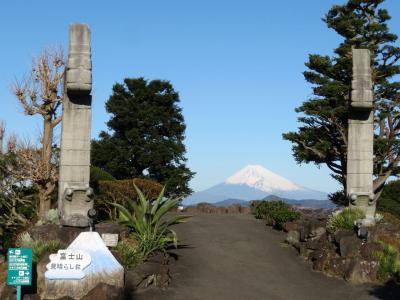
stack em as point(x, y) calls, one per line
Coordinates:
point(238, 257)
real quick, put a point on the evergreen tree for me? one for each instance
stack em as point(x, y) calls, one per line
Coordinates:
point(147, 132)
point(390, 199)
point(322, 136)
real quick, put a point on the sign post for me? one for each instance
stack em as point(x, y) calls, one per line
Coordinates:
point(19, 268)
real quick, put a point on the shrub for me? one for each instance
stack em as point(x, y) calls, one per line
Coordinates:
point(128, 253)
point(51, 217)
point(39, 247)
point(276, 213)
point(389, 262)
point(344, 219)
point(389, 201)
point(148, 224)
point(122, 192)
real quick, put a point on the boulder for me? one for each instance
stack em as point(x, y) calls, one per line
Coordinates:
point(293, 237)
point(40, 270)
point(320, 259)
point(104, 291)
point(146, 274)
point(362, 271)
point(339, 234)
point(304, 251)
point(317, 232)
point(31, 297)
point(311, 228)
point(349, 246)
point(289, 226)
point(337, 266)
point(8, 293)
point(67, 234)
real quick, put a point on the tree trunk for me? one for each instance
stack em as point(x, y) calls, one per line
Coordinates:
point(47, 142)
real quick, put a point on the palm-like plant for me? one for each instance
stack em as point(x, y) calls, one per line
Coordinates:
point(146, 220)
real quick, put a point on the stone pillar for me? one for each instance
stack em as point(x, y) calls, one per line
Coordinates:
point(361, 137)
point(75, 196)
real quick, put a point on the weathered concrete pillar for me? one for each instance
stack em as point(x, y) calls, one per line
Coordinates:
point(75, 196)
point(361, 137)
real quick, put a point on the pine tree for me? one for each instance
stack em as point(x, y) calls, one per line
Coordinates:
point(322, 137)
point(147, 133)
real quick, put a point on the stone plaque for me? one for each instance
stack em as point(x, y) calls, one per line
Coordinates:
point(110, 239)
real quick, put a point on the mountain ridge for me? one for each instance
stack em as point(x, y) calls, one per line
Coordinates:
point(254, 182)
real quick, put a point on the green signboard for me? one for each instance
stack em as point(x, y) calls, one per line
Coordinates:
point(19, 266)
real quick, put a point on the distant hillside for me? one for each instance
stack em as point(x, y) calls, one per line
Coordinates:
point(308, 203)
point(228, 202)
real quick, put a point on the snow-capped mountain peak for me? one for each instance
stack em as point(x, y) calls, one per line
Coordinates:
point(260, 178)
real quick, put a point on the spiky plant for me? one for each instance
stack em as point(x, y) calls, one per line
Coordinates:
point(148, 224)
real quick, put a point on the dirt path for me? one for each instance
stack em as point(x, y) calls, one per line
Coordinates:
point(238, 257)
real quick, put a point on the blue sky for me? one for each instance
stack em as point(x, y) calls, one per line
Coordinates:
point(236, 64)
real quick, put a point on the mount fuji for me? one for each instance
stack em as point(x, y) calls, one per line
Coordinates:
point(254, 182)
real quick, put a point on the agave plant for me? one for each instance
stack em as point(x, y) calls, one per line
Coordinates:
point(147, 221)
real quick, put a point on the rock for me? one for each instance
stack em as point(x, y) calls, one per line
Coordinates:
point(40, 270)
point(289, 226)
point(303, 251)
point(8, 293)
point(339, 234)
point(104, 291)
point(310, 228)
point(293, 237)
point(31, 297)
point(108, 227)
point(337, 266)
point(320, 259)
point(313, 244)
point(349, 246)
point(146, 274)
point(317, 232)
point(67, 234)
point(362, 271)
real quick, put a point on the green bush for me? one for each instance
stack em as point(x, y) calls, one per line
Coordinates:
point(122, 192)
point(148, 224)
point(389, 262)
point(276, 213)
point(344, 219)
point(128, 253)
point(39, 247)
point(50, 217)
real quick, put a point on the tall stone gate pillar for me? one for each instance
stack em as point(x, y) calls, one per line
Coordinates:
point(361, 137)
point(75, 196)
